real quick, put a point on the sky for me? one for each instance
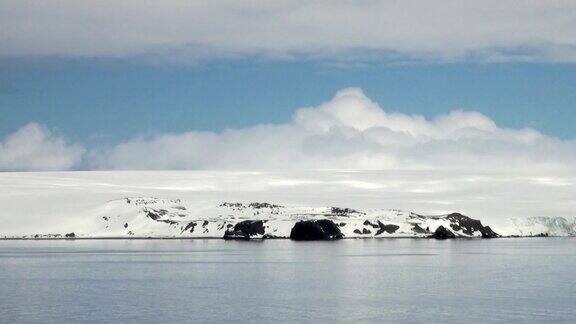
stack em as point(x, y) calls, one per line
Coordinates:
point(148, 85)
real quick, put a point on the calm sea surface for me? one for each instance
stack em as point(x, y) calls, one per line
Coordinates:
point(372, 280)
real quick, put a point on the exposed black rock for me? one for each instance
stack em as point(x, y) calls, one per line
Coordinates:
point(342, 224)
point(380, 227)
point(357, 231)
point(231, 205)
point(70, 235)
point(190, 227)
point(125, 225)
point(257, 205)
point(442, 233)
point(469, 225)
point(156, 214)
point(315, 230)
point(343, 211)
point(253, 205)
point(455, 227)
point(245, 230)
point(390, 228)
point(153, 215)
point(487, 232)
point(417, 229)
point(366, 231)
point(368, 223)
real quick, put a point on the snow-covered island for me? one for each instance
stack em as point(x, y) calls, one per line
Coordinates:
point(147, 217)
point(281, 204)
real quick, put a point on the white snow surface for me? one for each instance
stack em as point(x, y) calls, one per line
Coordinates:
point(550, 226)
point(101, 204)
point(157, 217)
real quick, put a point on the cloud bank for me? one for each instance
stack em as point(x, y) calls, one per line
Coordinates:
point(436, 30)
point(350, 131)
point(34, 147)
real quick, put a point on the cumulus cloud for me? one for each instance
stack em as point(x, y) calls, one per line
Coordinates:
point(438, 30)
point(349, 132)
point(34, 148)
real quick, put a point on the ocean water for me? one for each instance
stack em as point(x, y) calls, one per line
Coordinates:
point(372, 280)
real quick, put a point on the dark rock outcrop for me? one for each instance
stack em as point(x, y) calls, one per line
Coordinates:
point(443, 233)
point(190, 227)
point(315, 230)
point(381, 227)
point(487, 232)
point(70, 235)
point(337, 211)
point(368, 223)
point(155, 214)
point(468, 225)
point(232, 205)
point(390, 228)
point(258, 205)
point(417, 229)
point(245, 230)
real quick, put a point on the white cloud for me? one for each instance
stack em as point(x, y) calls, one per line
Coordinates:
point(438, 30)
point(35, 148)
point(347, 132)
point(350, 132)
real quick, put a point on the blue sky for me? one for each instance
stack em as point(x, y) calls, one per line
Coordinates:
point(303, 84)
point(100, 102)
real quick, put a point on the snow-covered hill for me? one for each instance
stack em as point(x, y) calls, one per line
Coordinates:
point(90, 204)
point(153, 217)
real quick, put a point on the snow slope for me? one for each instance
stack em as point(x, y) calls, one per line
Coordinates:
point(56, 203)
point(542, 226)
point(155, 217)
